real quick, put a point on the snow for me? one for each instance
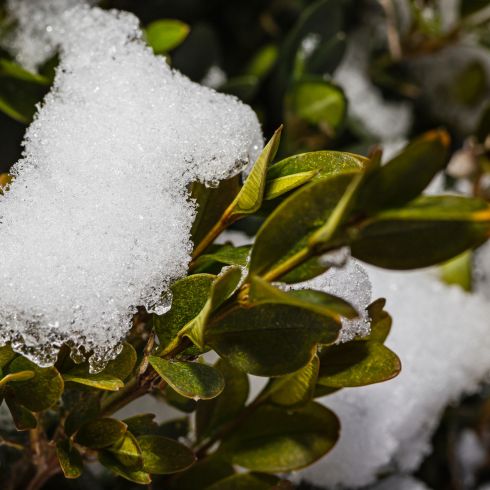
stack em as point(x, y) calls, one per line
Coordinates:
point(350, 282)
point(400, 482)
point(441, 336)
point(98, 218)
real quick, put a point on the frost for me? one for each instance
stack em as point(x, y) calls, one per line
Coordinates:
point(97, 220)
point(350, 282)
point(441, 336)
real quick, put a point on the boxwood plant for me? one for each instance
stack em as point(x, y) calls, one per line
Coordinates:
point(233, 303)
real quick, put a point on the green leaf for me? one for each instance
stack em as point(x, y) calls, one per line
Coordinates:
point(11, 69)
point(6, 355)
point(122, 366)
point(69, 458)
point(263, 61)
point(244, 338)
point(86, 409)
point(112, 376)
point(212, 414)
point(294, 389)
point(127, 452)
point(246, 481)
point(223, 254)
point(163, 456)
point(404, 177)
point(190, 379)
point(142, 424)
point(19, 376)
point(23, 418)
point(323, 163)
point(281, 185)
point(176, 400)
point(201, 475)
point(276, 439)
point(459, 271)
point(380, 321)
point(249, 199)
point(430, 230)
point(287, 230)
point(108, 460)
point(261, 292)
point(211, 204)
point(318, 102)
point(19, 96)
point(100, 380)
point(39, 392)
point(175, 428)
point(357, 363)
point(166, 34)
point(189, 296)
point(223, 286)
point(100, 433)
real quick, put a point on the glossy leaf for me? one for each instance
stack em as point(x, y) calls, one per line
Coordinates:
point(212, 414)
point(288, 228)
point(357, 363)
point(100, 433)
point(282, 185)
point(189, 379)
point(223, 255)
point(323, 163)
point(244, 338)
point(277, 440)
point(23, 418)
point(6, 355)
point(122, 366)
point(262, 292)
point(127, 452)
point(189, 296)
point(108, 460)
point(221, 289)
point(70, 459)
point(295, 389)
point(86, 410)
point(100, 380)
point(166, 34)
point(249, 199)
point(163, 456)
point(13, 377)
point(459, 271)
point(380, 321)
point(318, 102)
point(404, 177)
point(430, 230)
point(39, 392)
point(143, 424)
point(211, 204)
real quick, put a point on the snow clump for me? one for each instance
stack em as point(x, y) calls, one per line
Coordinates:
point(98, 218)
